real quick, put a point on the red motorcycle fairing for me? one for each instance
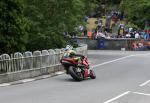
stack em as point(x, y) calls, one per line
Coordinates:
point(83, 65)
point(69, 60)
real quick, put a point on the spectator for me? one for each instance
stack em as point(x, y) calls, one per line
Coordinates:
point(89, 34)
point(130, 29)
point(134, 46)
point(128, 35)
point(121, 30)
point(81, 28)
point(99, 35)
point(146, 35)
point(148, 45)
point(85, 18)
point(137, 36)
point(140, 46)
point(142, 35)
point(85, 32)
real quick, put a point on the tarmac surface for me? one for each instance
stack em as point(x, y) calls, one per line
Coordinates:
point(122, 77)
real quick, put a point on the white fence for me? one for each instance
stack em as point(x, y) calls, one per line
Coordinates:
point(30, 61)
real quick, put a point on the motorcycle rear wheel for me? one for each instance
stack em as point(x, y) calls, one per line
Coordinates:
point(78, 76)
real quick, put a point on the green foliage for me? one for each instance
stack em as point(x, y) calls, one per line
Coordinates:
point(13, 26)
point(131, 25)
point(137, 11)
point(111, 2)
point(39, 24)
point(50, 18)
point(92, 6)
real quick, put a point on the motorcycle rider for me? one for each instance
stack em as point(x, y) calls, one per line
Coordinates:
point(71, 53)
point(80, 65)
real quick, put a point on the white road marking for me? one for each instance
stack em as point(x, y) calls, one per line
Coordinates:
point(145, 83)
point(112, 61)
point(94, 66)
point(142, 93)
point(4, 84)
point(27, 80)
point(123, 94)
point(60, 72)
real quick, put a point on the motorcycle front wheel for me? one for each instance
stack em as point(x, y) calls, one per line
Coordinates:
point(92, 74)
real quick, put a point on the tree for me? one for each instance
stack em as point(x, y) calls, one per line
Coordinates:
point(39, 24)
point(50, 18)
point(13, 26)
point(137, 11)
point(92, 6)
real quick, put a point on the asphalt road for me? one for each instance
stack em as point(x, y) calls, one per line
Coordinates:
point(122, 77)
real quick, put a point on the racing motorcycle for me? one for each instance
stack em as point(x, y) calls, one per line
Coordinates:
point(78, 71)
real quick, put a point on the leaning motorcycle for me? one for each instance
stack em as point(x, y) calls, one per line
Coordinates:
point(78, 71)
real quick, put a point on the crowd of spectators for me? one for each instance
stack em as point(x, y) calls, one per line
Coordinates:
point(113, 19)
point(116, 19)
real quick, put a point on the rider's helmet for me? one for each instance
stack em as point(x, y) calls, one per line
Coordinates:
point(68, 47)
point(70, 51)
